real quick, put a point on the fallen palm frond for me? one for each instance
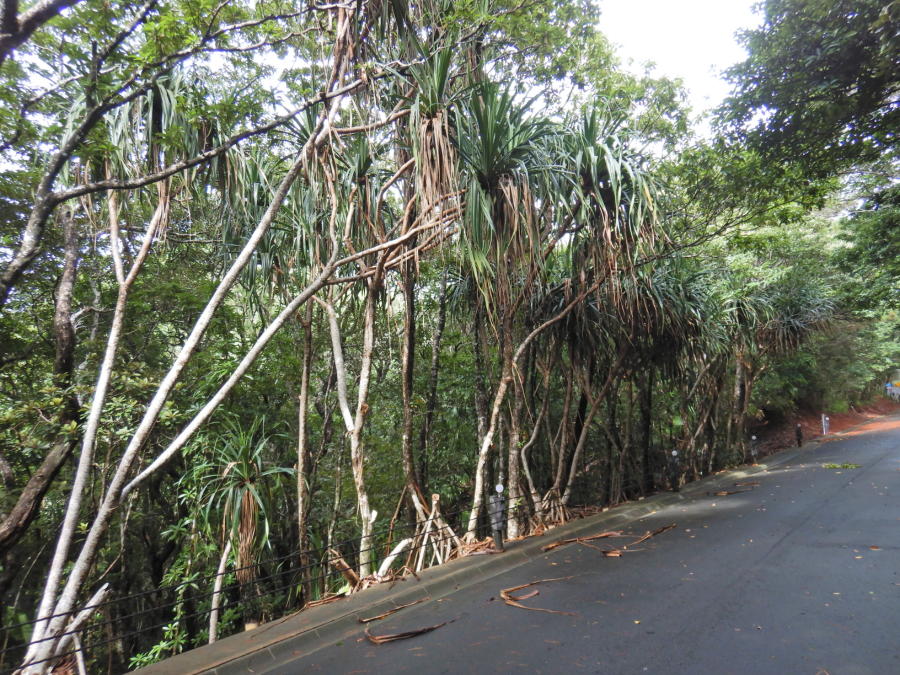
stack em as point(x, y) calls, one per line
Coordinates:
point(394, 610)
point(664, 528)
point(580, 540)
point(326, 600)
point(392, 637)
point(516, 600)
point(747, 483)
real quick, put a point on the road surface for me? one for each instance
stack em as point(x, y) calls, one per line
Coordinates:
point(798, 574)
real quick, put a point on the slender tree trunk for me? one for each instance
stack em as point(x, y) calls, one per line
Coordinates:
point(645, 394)
point(303, 455)
point(217, 594)
point(28, 504)
point(407, 372)
point(481, 395)
point(535, 432)
point(73, 508)
point(354, 423)
point(431, 403)
point(506, 376)
point(487, 441)
point(736, 424)
point(558, 465)
point(514, 501)
point(573, 429)
point(586, 427)
point(357, 449)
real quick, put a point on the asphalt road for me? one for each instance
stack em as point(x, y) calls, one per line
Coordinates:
point(798, 574)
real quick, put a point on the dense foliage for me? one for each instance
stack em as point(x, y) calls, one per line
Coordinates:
point(286, 289)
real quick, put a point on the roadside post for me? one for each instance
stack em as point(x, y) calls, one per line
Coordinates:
point(673, 471)
point(497, 515)
point(754, 451)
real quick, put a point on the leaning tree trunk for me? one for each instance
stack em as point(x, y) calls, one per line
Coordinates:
point(85, 462)
point(506, 375)
point(586, 427)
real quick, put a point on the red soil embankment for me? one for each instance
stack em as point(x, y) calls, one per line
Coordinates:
point(774, 438)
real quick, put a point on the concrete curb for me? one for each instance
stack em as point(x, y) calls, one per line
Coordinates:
point(313, 629)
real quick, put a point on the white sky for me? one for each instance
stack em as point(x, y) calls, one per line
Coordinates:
point(690, 39)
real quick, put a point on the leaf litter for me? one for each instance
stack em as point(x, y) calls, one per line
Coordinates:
point(508, 594)
point(393, 611)
point(580, 540)
point(393, 637)
point(660, 530)
point(516, 600)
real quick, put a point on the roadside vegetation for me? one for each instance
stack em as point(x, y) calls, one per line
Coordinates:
point(287, 289)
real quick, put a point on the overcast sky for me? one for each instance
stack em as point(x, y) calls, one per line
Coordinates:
point(690, 39)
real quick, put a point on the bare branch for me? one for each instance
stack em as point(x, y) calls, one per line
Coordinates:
point(16, 30)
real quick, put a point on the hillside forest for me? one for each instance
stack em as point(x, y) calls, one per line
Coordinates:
point(287, 288)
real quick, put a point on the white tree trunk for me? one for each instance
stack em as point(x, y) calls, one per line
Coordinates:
point(217, 594)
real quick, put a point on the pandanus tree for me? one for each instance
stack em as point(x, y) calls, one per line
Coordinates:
point(681, 346)
point(506, 175)
point(615, 227)
point(538, 191)
point(239, 486)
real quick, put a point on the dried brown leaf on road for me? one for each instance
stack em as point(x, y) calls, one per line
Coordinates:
point(394, 610)
point(326, 600)
point(612, 553)
point(580, 540)
point(747, 483)
point(529, 594)
point(514, 600)
point(392, 637)
point(725, 493)
point(664, 528)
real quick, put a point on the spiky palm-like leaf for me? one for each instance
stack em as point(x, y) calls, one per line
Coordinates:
point(238, 486)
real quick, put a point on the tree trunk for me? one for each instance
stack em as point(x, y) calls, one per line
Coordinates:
point(354, 423)
point(431, 403)
point(646, 431)
point(407, 371)
point(217, 593)
point(736, 422)
point(303, 457)
point(85, 462)
point(535, 432)
point(481, 395)
point(28, 504)
point(586, 427)
point(514, 501)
